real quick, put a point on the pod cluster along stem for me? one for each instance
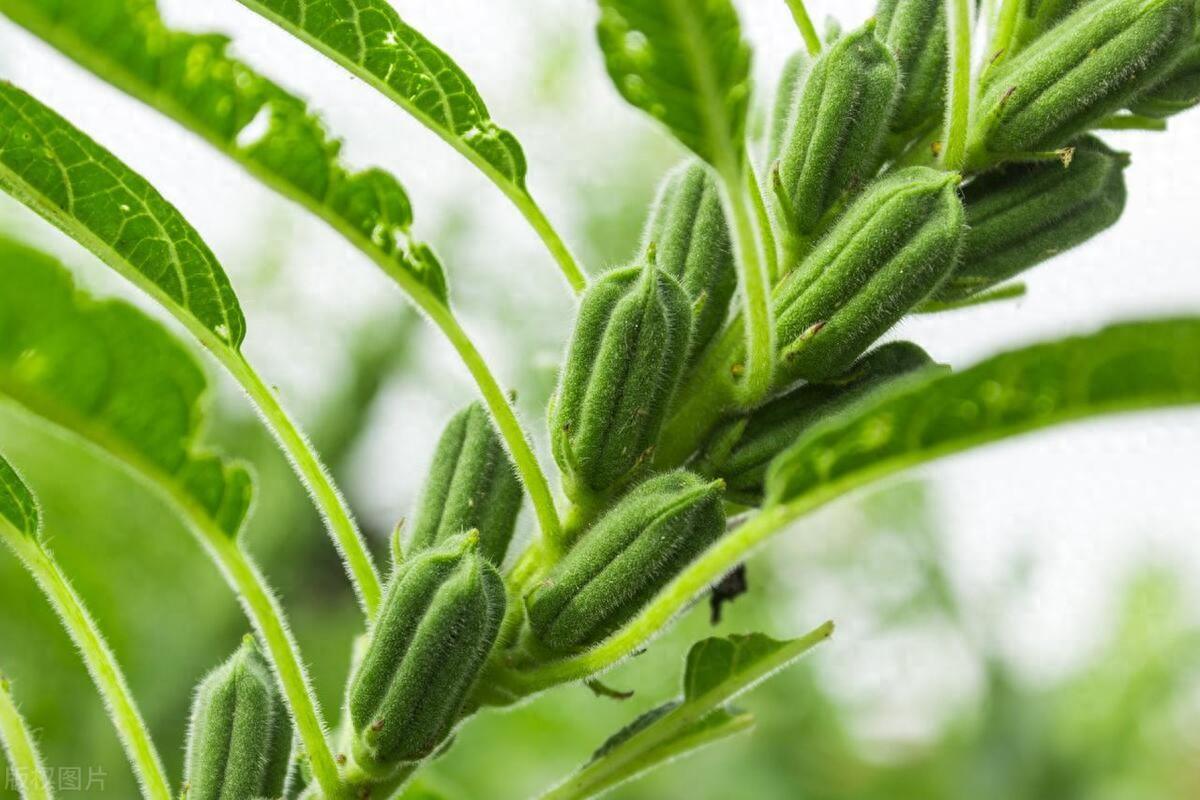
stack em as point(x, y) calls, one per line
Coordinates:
point(737, 375)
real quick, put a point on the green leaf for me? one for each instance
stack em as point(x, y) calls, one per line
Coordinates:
point(116, 378)
point(1121, 368)
point(717, 670)
point(18, 507)
point(685, 63)
point(83, 189)
point(369, 38)
point(272, 133)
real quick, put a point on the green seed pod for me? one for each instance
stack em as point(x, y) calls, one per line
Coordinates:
point(1025, 213)
point(1178, 91)
point(787, 93)
point(439, 619)
point(740, 451)
point(1094, 63)
point(690, 238)
point(837, 128)
point(240, 739)
point(1035, 17)
point(472, 485)
point(886, 254)
point(915, 32)
point(630, 345)
point(624, 559)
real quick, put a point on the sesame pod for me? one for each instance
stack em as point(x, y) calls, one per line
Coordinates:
point(439, 619)
point(240, 738)
point(472, 485)
point(690, 237)
point(1092, 64)
point(915, 32)
point(630, 345)
point(841, 117)
point(886, 254)
point(740, 451)
point(624, 559)
point(1022, 214)
point(791, 80)
point(1035, 17)
point(1178, 91)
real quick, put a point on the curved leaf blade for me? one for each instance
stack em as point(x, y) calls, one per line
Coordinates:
point(114, 377)
point(80, 187)
point(191, 78)
point(18, 507)
point(1125, 367)
point(369, 37)
point(685, 63)
point(716, 671)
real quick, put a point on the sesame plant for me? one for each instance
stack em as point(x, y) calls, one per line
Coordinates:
point(726, 382)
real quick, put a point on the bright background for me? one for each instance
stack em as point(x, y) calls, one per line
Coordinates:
point(980, 602)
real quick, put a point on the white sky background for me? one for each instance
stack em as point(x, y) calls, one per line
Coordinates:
point(1088, 503)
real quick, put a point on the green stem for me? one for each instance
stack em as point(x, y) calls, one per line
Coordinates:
point(1006, 26)
point(506, 422)
point(24, 761)
point(765, 225)
point(263, 609)
point(756, 288)
point(1131, 122)
point(100, 661)
point(805, 24)
point(958, 108)
point(333, 507)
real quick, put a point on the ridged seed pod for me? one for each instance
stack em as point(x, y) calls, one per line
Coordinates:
point(837, 128)
point(1035, 17)
point(887, 253)
point(740, 450)
point(472, 485)
point(690, 237)
point(1092, 64)
point(630, 345)
point(240, 740)
point(439, 619)
point(787, 93)
point(1178, 91)
point(915, 32)
point(624, 559)
point(1022, 214)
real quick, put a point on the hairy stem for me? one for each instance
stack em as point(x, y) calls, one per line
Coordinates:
point(765, 226)
point(100, 662)
point(24, 760)
point(807, 30)
point(329, 501)
point(264, 612)
point(1131, 122)
point(759, 369)
point(958, 107)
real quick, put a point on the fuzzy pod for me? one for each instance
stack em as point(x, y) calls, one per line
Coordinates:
point(624, 559)
point(915, 32)
point(1022, 214)
point(689, 238)
point(1036, 17)
point(240, 740)
point(437, 624)
point(837, 128)
point(472, 485)
point(889, 251)
point(1091, 65)
point(630, 345)
point(787, 92)
point(1178, 91)
point(740, 450)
